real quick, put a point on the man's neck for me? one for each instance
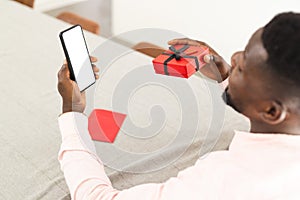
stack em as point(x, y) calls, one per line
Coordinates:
point(271, 129)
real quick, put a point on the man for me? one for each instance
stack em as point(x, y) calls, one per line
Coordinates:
point(264, 85)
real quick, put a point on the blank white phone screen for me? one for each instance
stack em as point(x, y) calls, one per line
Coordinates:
point(79, 57)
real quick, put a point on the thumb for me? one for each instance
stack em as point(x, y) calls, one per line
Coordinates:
point(64, 73)
point(219, 63)
point(210, 58)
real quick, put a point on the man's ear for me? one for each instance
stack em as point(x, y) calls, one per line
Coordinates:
point(274, 113)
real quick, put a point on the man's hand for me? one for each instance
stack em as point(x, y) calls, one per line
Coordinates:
point(73, 99)
point(216, 67)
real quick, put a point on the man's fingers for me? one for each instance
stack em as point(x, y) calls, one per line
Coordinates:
point(216, 67)
point(93, 59)
point(184, 41)
point(179, 41)
point(95, 68)
point(174, 41)
point(216, 62)
point(211, 71)
point(96, 71)
point(209, 58)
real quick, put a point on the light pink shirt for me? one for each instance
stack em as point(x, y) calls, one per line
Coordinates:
point(256, 166)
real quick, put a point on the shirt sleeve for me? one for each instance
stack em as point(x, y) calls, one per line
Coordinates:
point(83, 170)
point(85, 176)
point(224, 84)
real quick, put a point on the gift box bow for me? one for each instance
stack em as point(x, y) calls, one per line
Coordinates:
point(178, 54)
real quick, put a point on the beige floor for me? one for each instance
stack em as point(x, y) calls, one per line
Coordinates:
point(97, 10)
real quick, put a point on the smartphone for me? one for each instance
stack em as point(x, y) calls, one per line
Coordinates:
point(78, 58)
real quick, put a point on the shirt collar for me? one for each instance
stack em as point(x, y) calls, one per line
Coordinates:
point(265, 140)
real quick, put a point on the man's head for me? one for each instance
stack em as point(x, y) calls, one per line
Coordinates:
point(265, 81)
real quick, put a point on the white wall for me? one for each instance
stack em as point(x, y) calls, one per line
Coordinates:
point(46, 5)
point(226, 25)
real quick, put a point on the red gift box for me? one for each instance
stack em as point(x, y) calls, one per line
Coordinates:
point(104, 125)
point(180, 60)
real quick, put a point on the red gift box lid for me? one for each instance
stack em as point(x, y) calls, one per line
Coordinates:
point(104, 125)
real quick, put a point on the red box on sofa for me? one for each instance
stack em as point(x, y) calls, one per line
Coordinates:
point(104, 125)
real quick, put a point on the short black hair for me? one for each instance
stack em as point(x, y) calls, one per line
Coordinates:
point(281, 39)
